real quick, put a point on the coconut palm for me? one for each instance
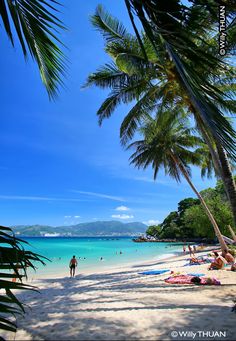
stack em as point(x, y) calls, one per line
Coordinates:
point(36, 28)
point(170, 143)
point(178, 26)
point(153, 83)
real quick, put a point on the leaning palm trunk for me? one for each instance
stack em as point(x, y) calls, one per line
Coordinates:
point(210, 216)
point(221, 166)
point(209, 142)
point(227, 178)
point(232, 233)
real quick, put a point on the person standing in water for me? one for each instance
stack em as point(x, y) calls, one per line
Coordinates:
point(72, 266)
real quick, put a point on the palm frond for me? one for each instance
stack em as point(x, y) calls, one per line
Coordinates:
point(110, 27)
point(167, 20)
point(145, 105)
point(36, 29)
point(107, 76)
point(211, 115)
point(125, 94)
point(13, 259)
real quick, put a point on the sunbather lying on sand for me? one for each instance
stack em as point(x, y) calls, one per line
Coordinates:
point(194, 260)
point(199, 260)
point(187, 279)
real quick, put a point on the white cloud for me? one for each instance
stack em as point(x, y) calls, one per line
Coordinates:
point(151, 222)
point(122, 208)
point(143, 178)
point(67, 216)
point(100, 195)
point(34, 198)
point(76, 216)
point(122, 216)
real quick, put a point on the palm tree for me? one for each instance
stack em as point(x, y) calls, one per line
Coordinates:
point(153, 83)
point(169, 143)
point(36, 28)
point(178, 27)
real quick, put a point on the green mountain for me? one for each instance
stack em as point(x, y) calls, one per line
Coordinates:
point(93, 229)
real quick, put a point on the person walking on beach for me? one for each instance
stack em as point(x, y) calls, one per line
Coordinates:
point(72, 265)
point(184, 249)
point(191, 253)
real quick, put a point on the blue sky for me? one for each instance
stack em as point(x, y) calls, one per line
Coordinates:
point(57, 165)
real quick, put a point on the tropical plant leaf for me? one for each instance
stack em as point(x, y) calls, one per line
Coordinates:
point(110, 27)
point(13, 258)
point(168, 22)
point(36, 29)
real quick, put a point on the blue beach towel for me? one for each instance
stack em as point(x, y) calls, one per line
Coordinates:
point(196, 275)
point(154, 272)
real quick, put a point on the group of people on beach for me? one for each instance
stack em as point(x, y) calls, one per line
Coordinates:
point(190, 249)
point(220, 260)
point(73, 263)
point(218, 263)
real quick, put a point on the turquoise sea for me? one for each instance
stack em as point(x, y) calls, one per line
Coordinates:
point(114, 251)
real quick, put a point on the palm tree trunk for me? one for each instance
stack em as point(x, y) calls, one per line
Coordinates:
point(210, 216)
point(222, 167)
point(209, 142)
point(228, 179)
point(232, 233)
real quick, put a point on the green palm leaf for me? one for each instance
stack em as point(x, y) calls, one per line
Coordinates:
point(111, 28)
point(167, 21)
point(36, 29)
point(13, 258)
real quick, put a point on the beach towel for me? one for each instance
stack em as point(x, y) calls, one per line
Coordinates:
point(196, 274)
point(154, 272)
point(186, 279)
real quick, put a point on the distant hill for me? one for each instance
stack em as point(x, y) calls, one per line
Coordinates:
point(93, 229)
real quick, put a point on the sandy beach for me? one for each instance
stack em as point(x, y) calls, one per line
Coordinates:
point(121, 304)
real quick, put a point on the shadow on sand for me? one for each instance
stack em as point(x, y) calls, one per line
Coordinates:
point(122, 306)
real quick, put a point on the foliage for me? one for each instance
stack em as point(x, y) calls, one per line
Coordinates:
point(190, 221)
point(154, 231)
point(36, 28)
point(184, 32)
point(232, 249)
point(197, 219)
point(14, 263)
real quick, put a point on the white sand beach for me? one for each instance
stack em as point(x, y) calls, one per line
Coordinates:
point(121, 304)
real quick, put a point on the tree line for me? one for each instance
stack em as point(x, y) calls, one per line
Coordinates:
point(190, 222)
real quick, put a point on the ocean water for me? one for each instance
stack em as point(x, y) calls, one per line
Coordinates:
point(115, 251)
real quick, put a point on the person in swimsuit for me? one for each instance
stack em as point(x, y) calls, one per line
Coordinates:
point(191, 253)
point(72, 265)
point(218, 263)
point(228, 256)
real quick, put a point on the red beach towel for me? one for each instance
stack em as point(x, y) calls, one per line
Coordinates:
point(186, 279)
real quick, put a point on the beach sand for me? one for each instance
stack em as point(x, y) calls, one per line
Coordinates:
point(121, 304)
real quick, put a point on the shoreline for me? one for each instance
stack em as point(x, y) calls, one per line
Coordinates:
point(115, 267)
point(105, 268)
point(124, 304)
